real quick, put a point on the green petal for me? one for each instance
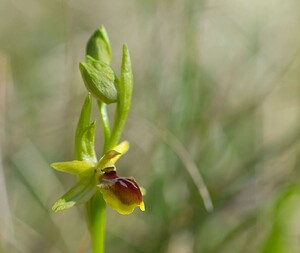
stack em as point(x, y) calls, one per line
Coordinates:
point(80, 193)
point(113, 155)
point(83, 168)
point(122, 148)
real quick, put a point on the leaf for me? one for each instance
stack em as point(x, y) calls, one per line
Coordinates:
point(80, 193)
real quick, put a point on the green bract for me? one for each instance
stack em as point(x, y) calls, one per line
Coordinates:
point(124, 86)
point(85, 134)
point(126, 81)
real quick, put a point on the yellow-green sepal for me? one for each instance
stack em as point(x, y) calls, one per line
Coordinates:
point(80, 168)
point(80, 193)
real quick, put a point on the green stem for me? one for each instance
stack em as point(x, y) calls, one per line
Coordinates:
point(96, 210)
point(105, 124)
point(96, 206)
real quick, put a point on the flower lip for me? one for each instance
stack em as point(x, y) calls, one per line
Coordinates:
point(121, 193)
point(110, 174)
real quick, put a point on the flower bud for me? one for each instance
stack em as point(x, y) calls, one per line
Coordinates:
point(98, 46)
point(99, 79)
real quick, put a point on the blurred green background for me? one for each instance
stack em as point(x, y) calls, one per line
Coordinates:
point(216, 95)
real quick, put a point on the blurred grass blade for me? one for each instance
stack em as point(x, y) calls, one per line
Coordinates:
point(190, 166)
point(187, 161)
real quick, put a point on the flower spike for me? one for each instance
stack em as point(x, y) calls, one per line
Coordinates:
point(97, 180)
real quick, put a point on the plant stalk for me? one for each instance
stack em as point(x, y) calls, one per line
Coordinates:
point(96, 207)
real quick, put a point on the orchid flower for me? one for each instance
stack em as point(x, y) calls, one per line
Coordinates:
point(121, 193)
